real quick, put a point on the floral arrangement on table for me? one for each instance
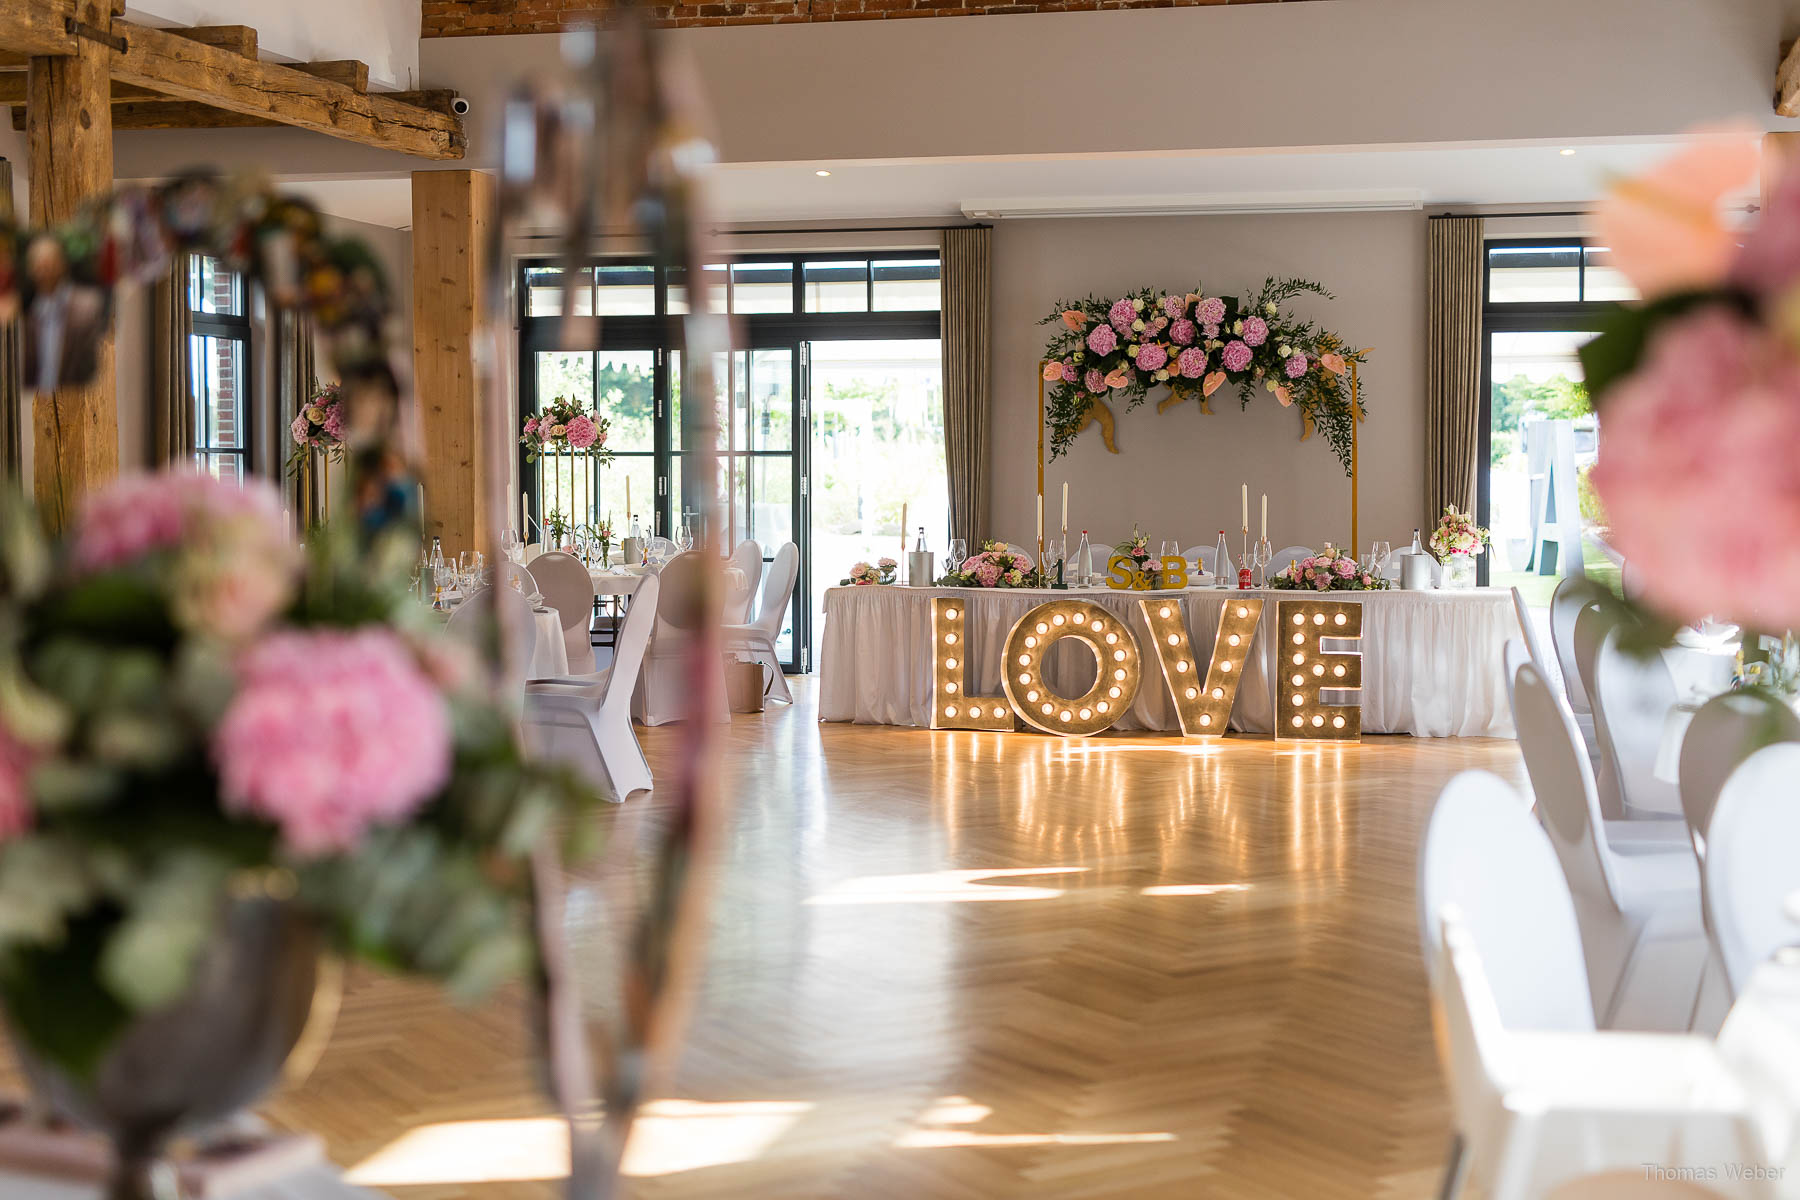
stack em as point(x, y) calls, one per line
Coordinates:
point(1698, 390)
point(318, 427)
point(863, 574)
point(1456, 534)
point(1137, 549)
point(557, 526)
point(993, 566)
point(601, 533)
point(564, 427)
point(1330, 570)
point(191, 711)
point(1196, 344)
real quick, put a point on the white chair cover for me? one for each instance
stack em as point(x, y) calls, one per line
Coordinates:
point(748, 559)
point(1632, 697)
point(568, 589)
point(1566, 604)
point(1550, 668)
point(757, 638)
point(1202, 557)
point(584, 721)
point(662, 694)
point(655, 544)
point(1727, 730)
point(1591, 627)
point(507, 571)
point(470, 624)
point(1753, 861)
point(1514, 656)
point(1639, 913)
point(530, 551)
point(1287, 555)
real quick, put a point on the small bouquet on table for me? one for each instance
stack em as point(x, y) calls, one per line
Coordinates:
point(1455, 543)
point(994, 566)
point(1328, 571)
point(863, 574)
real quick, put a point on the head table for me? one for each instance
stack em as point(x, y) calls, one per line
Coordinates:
point(1432, 661)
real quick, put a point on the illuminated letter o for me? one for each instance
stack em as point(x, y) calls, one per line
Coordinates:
point(1086, 622)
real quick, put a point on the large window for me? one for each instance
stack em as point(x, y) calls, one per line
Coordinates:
point(219, 368)
point(1540, 438)
point(834, 353)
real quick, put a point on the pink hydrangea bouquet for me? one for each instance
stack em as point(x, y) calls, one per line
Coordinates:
point(1330, 570)
point(319, 426)
point(864, 574)
point(564, 427)
point(190, 710)
point(1456, 533)
point(993, 566)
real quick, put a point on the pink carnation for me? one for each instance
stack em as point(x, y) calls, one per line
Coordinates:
point(1095, 380)
point(1192, 362)
point(1256, 331)
point(1296, 366)
point(15, 793)
point(1698, 476)
point(1236, 356)
point(581, 433)
point(1210, 311)
point(1069, 372)
point(1174, 306)
point(1102, 340)
point(1152, 357)
point(1122, 314)
point(331, 732)
point(1183, 332)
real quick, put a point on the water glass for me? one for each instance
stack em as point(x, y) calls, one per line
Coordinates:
point(1379, 553)
point(1171, 549)
point(959, 553)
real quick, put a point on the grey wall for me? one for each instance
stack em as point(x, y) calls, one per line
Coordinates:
point(1177, 473)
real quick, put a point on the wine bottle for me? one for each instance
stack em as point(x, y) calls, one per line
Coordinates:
point(1221, 563)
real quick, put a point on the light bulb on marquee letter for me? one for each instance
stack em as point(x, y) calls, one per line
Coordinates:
point(1117, 667)
point(951, 705)
point(1303, 669)
point(1203, 706)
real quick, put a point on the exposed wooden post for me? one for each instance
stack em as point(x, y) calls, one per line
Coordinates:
point(1780, 150)
point(69, 135)
point(452, 211)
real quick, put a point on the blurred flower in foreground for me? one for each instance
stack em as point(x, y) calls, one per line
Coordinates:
point(1665, 227)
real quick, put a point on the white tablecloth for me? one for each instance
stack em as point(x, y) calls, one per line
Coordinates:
point(1432, 661)
point(1761, 1042)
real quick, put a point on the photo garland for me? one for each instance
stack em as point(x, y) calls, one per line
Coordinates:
point(1195, 344)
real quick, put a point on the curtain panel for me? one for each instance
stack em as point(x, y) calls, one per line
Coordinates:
point(172, 432)
point(296, 376)
point(1453, 335)
point(14, 426)
point(967, 275)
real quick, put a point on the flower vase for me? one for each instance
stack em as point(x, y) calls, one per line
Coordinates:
point(1459, 572)
point(206, 1056)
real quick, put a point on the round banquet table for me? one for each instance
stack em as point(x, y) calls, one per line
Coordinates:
point(1432, 661)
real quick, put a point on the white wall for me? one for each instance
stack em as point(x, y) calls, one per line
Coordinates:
point(382, 33)
point(1177, 474)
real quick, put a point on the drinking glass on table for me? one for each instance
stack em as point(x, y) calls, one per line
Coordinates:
point(1260, 556)
point(1171, 549)
point(1379, 553)
point(959, 553)
point(509, 543)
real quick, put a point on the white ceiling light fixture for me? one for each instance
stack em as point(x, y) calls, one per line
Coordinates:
point(1219, 203)
point(822, 174)
point(1567, 152)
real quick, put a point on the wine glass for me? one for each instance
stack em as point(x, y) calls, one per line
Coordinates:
point(1379, 553)
point(509, 543)
point(959, 553)
point(1171, 549)
point(1260, 556)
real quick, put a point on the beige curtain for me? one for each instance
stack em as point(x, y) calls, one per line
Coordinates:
point(1452, 363)
point(295, 374)
point(173, 436)
point(13, 425)
point(967, 410)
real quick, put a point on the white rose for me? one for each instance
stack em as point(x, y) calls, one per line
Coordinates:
point(1269, 308)
point(1138, 304)
point(1131, 350)
point(1237, 327)
point(557, 431)
point(316, 415)
point(1270, 385)
point(1162, 376)
point(1137, 326)
point(1285, 351)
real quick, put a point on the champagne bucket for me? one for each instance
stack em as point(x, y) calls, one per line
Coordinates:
point(918, 568)
point(1415, 572)
point(631, 551)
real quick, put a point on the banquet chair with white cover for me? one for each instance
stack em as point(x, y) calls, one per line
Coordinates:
point(1514, 656)
point(569, 589)
point(1727, 730)
point(748, 559)
point(1567, 603)
point(1287, 554)
point(530, 551)
point(1632, 697)
point(468, 625)
point(1539, 1109)
point(757, 638)
point(662, 692)
point(1592, 624)
point(1638, 905)
point(584, 721)
point(507, 572)
point(1752, 866)
point(1551, 669)
point(1202, 557)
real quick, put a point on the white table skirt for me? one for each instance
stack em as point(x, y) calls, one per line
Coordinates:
point(1432, 661)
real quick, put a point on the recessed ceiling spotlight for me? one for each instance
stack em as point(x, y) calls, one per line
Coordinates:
point(1567, 152)
point(824, 174)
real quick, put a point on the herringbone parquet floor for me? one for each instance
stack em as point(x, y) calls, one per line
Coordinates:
point(967, 966)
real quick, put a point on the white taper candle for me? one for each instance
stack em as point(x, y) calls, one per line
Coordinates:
point(1265, 521)
point(1246, 500)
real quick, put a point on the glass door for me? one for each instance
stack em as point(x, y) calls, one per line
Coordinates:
point(619, 385)
point(758, 490)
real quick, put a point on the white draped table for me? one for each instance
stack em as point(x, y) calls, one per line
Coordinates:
point(1432, 661)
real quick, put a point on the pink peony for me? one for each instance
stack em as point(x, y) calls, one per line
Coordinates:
point(15, 793)
point(1344, 567)
point(1296, 366)
point(1698, 476)
point(331, 732)
point(1183, 332)
point(1236, 356)
point(1192, 362)
point(1102, 340)
point(1210, 311)
point(1256, 331)
point(1095, 380)
point(1069, 373)
point(1152, 357)
point(582, 433)
point(1122, 314)
point(1173, 306)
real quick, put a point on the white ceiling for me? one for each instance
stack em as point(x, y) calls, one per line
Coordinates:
point(939, 189)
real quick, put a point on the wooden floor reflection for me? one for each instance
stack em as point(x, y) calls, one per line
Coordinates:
point(989, 965)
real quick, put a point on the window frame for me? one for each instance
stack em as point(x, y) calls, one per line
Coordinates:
point(224, 327)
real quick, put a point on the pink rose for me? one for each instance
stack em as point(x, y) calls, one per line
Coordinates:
point(531, 424)
point(1069, 373)
point(1344, 567)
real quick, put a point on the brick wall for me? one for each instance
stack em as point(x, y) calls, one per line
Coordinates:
point(461, 18)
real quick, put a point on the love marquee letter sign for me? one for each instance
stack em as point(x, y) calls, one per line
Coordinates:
point(1202, 701)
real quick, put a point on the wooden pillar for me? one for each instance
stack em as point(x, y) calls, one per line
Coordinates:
point(68, 126)
point(452, 211)
point(1781, 151)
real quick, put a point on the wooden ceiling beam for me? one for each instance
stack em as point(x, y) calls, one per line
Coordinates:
point(238, 39)
point(347, 71)
point(29, 27)
point(150, 111)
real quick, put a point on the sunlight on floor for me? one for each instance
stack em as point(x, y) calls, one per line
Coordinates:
point(960, 1110)
point(1194, 889)
point(670, 1136)
point(940, 887)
